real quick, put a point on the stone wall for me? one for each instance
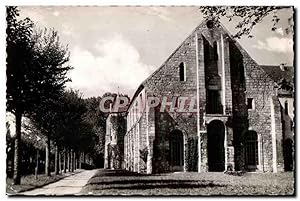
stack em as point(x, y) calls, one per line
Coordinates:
point(114, 141)
point(166, 83)
point(287, 118)
point(239, 77)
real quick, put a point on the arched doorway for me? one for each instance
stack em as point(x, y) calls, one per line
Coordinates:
point(176, 150)
point(288, 155)
point(251, 150)
point(215, 146)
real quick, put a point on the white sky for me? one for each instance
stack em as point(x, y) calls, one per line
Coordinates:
point(116, 48)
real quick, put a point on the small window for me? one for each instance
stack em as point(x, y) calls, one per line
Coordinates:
point(215, 53)
point(250, 103)
point(286, 108)
point(182, 71)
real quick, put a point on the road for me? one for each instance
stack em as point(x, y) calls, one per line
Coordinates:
point(71, 185)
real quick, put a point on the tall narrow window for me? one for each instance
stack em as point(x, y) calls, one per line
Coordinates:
point(182, 71)
point(215, 53)
point(250, 103)
point(286, 107)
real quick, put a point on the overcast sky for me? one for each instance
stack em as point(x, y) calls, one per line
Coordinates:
point(113, 49)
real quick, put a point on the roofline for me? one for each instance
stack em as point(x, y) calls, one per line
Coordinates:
point(142, 85)
point(139, 89)
point(164, 63)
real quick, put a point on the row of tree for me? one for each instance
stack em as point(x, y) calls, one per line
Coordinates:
point(37, 67)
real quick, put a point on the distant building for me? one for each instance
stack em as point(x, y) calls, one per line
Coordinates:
point(244, 117)
point(114, 138)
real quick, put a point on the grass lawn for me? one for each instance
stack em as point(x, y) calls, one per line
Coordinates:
point(120, 182)
point(29, 182)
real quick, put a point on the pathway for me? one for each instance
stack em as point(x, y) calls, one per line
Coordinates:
point(71, 185)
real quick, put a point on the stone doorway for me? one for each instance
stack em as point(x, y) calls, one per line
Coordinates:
point(251, 150)
point(176, 151)
point(215, 146)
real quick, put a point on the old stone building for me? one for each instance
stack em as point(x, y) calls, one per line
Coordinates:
point(243, 118)
point(114, 138)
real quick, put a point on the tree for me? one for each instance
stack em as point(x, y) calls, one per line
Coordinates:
point(97, 120)
point(79, 135)
point(248, 16)
point(47, 119)
point(72, 125)
point(35, 71)
point(63, 121)
point(19, 53)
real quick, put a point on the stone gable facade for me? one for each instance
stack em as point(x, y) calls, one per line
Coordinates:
point(238, 121)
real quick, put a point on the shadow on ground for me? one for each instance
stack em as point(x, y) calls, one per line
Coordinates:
point(121, 182)
point(121, 179)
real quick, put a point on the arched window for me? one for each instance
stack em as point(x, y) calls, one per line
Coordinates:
point(286, 107)
point(182, 71)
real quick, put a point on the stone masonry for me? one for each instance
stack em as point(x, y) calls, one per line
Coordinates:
point(238, 122)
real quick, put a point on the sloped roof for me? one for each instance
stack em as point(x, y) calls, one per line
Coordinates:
point(220, 25)
point(277, 74)
point(274, 72)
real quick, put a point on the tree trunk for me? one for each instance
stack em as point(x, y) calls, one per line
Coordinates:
point(80, 160)
point(73, 164)
point(47, 163)
point(65, 160)
point(17, 157)
point(71, 161)
point(56, 168)
point(37, 164)
point(59, 162)
point(83, 158)
point(76, 160)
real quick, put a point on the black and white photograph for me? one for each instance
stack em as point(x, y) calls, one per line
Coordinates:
point(150, 100)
